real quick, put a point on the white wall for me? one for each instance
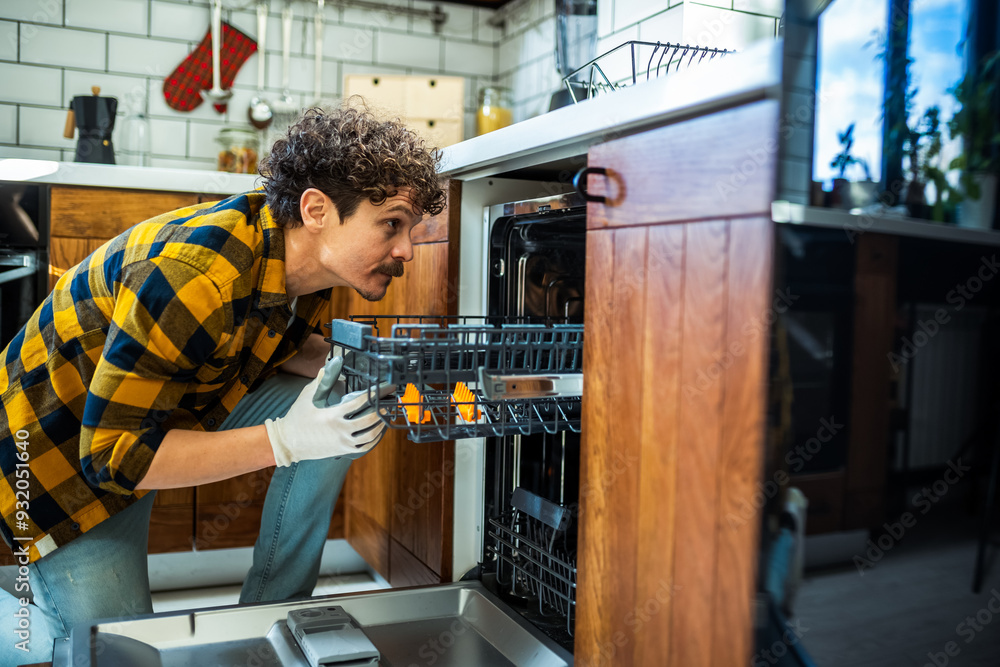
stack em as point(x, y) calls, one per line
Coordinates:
point(527, 50)
point(51, 50)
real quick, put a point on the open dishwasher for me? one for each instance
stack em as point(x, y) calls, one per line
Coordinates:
point(513, 378)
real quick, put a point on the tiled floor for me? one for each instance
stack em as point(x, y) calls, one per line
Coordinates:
point(912, 604)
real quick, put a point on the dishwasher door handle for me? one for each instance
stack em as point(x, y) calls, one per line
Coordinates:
point(497, 387)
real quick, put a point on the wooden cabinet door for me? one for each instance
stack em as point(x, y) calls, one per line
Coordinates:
point(82, 219)
point(679, 270)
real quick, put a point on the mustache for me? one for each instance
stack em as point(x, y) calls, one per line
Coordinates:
point(394, 269)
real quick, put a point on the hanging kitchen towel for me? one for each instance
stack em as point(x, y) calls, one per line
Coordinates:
point(182, 88)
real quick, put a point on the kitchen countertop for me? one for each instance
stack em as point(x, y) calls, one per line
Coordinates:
point(568, 132)
point(121, 176)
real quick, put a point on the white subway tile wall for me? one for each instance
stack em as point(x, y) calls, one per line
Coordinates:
point(8, 40)
point(799, 68)
point(44, 45)
point(35, 11)
point(126, 16)
point(51, 50)
point(8, 123)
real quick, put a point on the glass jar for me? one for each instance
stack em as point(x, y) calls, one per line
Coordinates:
point(134, 148)
point(494, 110)
point(238, 154)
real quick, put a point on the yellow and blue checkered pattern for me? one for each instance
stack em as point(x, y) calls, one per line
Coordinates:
point(166, 326)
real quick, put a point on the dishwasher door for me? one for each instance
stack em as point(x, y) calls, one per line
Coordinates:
point(454, 625)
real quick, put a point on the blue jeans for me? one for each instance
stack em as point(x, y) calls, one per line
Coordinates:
point(103, 573)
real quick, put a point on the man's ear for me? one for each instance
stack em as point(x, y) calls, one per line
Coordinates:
point(317, 210)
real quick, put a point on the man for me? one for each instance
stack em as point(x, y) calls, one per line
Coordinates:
point(152, 365)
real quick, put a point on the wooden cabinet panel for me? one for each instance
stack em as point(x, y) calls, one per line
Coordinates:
point(67, 252)
point(749, 286)
point(407, 569)
point(705, 168)
point(171, 529)
point(367, 536)
point(610, 446)
point(103, 213)
point(673, 430)
point(874, 323)
point(662, 341)
point(226, 525)
point(703, 328)
point(227, 513)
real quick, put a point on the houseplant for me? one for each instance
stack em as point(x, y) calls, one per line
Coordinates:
point(923, 149)
point(976, 124)
point(847, 194)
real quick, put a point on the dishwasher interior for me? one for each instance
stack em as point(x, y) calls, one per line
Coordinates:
point(537, 257)
point(513, 377)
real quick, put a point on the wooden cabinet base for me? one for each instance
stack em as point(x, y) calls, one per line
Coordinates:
point(171, 529)
point(368, 538)
point(226, 525)
point(405, 569)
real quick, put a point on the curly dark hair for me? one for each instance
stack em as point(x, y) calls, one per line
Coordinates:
point(350, 155)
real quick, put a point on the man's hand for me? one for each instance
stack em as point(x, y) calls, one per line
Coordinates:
point(316, 427)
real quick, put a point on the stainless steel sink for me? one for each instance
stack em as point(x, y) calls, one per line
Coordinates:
point(460, 624)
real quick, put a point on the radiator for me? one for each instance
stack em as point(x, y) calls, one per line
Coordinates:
point(944, 393)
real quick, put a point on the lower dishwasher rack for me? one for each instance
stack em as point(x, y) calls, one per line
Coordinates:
point(465, 377)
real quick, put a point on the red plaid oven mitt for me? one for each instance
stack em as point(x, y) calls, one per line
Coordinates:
point(181, 88)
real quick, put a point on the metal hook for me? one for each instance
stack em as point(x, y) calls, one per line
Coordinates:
point(650, 63)
point(660, 61)
point(677, 47)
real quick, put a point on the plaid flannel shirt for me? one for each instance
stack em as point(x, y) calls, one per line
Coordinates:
point(166, 326)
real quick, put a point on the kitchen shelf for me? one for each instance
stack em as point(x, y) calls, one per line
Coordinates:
point(856, 223)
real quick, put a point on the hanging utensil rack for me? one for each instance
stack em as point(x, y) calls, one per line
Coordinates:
point(663, 58)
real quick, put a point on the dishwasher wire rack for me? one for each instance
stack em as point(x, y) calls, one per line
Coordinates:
point(532, 561)
point(609, 71)
point(427, 358)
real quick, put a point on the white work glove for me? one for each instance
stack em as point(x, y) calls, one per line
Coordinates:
point(322, 424)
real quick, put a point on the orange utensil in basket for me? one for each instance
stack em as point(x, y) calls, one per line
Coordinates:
point(412, 401)
point(465, 402)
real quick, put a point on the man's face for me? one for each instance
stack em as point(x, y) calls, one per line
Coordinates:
point(368, 250)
